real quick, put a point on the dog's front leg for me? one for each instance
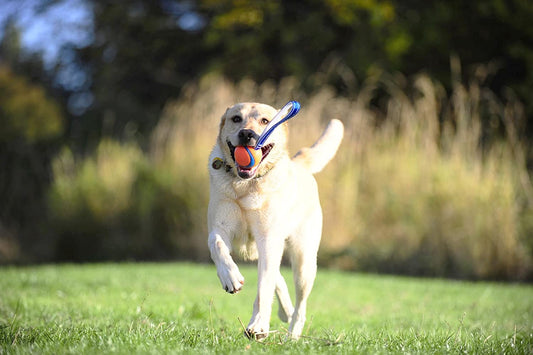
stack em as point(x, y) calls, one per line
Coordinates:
point(224, 221)
point(227, 271)
point(270, 251)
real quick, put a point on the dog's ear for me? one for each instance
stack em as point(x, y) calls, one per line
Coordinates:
point(223, 120)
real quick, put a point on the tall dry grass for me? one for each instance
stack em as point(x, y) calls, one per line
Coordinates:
point(427, 197)
point(414, 188)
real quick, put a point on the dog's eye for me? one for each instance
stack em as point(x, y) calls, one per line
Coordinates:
point(236, 119)
point(264, 121)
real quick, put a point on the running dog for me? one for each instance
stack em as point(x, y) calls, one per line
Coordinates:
point(260, 211)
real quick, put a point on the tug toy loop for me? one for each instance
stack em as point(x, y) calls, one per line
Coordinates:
point(290, 109)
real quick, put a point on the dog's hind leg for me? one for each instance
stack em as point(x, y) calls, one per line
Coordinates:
point(304, 277)
point(285, 309)
point(304, 258)
point(269, 251)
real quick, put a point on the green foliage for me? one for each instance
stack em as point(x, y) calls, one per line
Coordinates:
point(10, 48)
point(26, 113)
point(31, 123)
point(152, 308)
point(116, 205)
point(353, 12)
point(290, 38)
point(141, 59)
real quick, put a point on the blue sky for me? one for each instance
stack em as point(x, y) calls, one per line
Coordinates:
point(48, 25)
point(46, 29)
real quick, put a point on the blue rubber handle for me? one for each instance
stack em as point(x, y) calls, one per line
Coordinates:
point(290, 109)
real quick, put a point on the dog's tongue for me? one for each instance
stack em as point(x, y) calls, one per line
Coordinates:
point(245, 173)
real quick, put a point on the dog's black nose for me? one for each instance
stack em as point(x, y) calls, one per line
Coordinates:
point(247, 137)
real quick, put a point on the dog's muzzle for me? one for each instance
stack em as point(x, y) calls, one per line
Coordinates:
point(247, 137)
point(247, 173)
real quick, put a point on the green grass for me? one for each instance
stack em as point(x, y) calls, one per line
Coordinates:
point(181, 308)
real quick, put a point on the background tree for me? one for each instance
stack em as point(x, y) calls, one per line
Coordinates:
point(139, 59)
point(143, 52)
point(138, 55)
point(31, 124)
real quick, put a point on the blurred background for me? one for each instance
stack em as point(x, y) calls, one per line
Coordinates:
point(108, 111)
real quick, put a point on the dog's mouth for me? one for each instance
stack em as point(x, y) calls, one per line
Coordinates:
point(247, 173)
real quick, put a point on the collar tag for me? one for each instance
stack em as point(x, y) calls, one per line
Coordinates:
point(217, 163)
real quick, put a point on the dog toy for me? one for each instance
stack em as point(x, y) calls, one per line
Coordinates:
point(247, 157)
point(290, 109)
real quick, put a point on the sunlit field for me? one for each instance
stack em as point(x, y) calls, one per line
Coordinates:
point(181, 308)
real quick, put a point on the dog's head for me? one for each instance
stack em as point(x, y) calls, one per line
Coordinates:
point(241, 125)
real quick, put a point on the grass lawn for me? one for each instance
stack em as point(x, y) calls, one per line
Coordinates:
point(181, 308)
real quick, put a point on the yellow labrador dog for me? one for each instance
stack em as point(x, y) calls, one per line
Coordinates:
point(263, 210)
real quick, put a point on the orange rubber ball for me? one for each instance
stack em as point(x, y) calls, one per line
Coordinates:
point(247, 156)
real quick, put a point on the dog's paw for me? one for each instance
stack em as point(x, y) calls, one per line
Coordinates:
point(230, 278)
point(257, 329)
point(255, 335)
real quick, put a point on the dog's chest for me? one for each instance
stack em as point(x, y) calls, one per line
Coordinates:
point(251, 201)
point(250, 196)
point(258, 194)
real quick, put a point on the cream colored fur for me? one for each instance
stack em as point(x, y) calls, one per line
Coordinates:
point(276, 208)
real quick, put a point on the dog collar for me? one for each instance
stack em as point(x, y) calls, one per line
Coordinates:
point(218, 163)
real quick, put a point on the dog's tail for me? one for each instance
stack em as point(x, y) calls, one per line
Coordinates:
point(319, 154)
